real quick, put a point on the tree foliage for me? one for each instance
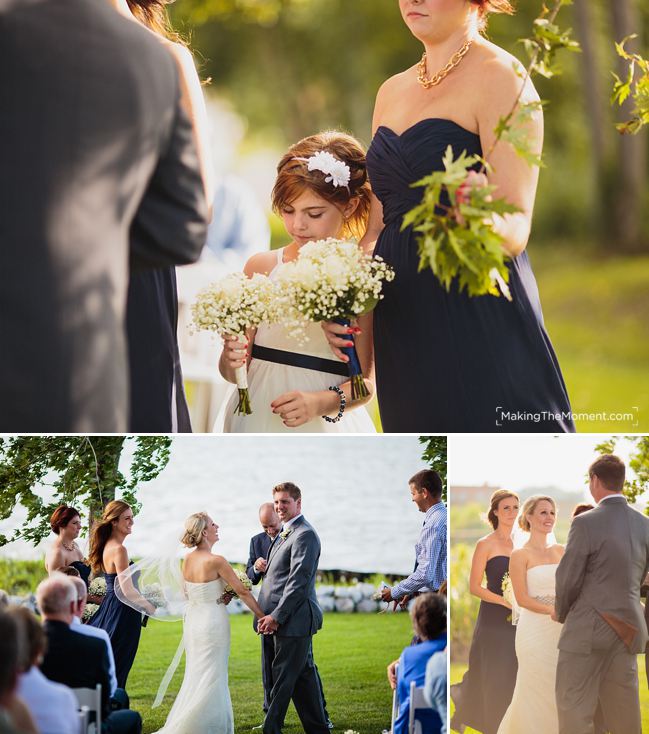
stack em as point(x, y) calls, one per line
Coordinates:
point(633, 86)
point(81, 471)
point(639, 463)
point(434, 454)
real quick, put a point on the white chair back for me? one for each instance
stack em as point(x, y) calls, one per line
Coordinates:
point(83, 720)
point(89, 699)
point(395, 701)
point(417, 701)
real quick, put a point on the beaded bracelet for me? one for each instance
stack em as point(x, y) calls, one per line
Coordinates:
point(343, 402)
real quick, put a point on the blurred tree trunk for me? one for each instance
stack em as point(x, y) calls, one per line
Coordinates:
point(595, 101)
point(631, 177)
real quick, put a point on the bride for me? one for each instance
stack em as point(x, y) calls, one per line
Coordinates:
point(532, 570)
point(203, 704)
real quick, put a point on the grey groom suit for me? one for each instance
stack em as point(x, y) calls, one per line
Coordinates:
point(94, 148)
point(598, 600)
point(288, 595)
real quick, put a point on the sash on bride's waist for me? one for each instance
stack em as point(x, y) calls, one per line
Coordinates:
point(294, 359)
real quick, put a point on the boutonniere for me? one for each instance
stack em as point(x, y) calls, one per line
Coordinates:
point(285, 533)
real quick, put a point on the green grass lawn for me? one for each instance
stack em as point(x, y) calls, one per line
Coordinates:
point(596, 314)
point(351, 651)
point(458, 670)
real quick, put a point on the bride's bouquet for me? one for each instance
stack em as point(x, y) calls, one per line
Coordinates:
point(331, 280)
point(229, 592)
point(232, 305)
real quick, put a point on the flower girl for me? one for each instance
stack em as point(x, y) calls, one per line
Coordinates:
point(321, 191)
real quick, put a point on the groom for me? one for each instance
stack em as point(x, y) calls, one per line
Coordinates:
point(98, 169)
point(293, 616)
point(598, 600)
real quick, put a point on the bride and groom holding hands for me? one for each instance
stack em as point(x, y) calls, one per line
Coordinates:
point(579, 620)
point(287, 610)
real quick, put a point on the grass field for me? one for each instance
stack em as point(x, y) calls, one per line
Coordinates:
point(458, 670)
point(351, 651)
point(596, 314)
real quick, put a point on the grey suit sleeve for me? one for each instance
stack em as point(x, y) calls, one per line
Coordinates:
point(304, 561)
point(572, 569)
point(170, 227)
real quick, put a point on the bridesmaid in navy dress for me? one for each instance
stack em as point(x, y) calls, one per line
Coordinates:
point(446, 362)
point(108, 556)
point(64, 551)
point(486, 690)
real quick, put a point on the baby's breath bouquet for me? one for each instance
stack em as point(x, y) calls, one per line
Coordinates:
point(507, 589)
point(89, 612)
point(97, 587)
point(331, 280)
point(232, 305)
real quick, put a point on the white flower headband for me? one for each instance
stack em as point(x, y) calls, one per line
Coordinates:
point(336, 171)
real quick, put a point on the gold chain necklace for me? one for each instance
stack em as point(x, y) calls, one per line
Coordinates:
point(427, 82)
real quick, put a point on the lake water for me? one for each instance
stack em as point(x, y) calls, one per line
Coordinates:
point(354, 492)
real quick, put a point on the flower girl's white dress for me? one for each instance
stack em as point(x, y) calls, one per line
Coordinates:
point(533, 709)
point(268, 380)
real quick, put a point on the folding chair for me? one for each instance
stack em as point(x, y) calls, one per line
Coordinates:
point(395, 702)
point(417, 701)
point(83, 720)
point(90, 700)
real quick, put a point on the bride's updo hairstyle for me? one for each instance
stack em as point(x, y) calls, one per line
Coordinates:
point(496, 499)
point(101, 532)
point(294, 177)
point(485, 7)
point(528, 508)
point(194, 526)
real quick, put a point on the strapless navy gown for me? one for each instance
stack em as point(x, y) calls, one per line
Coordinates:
point(446, 362)
point(123, 625)
point(158, 402)
point(486, 690)
point(84, 571)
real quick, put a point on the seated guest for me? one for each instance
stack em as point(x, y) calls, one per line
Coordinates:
point(75, 659)
point(86, 629)
point(435, 686)
point(14, 714)
point(429, 625)
point(4, 600)
point(52, 705)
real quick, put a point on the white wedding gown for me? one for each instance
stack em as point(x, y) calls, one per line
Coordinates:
point(269, 380)
point(533, 709)
point(203, 704)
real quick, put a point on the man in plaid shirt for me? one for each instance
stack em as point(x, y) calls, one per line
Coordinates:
point(430, 568)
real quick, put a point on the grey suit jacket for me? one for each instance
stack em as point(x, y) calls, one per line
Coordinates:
point(606, 560)
point(94, 147)
point(288, 592)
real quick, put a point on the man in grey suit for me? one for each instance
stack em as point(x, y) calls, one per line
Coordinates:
point(98, 171)
point(598, 602)
point(292, 616)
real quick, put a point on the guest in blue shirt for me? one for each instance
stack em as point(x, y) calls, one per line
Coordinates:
point(431, 562)
point(429, 624)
